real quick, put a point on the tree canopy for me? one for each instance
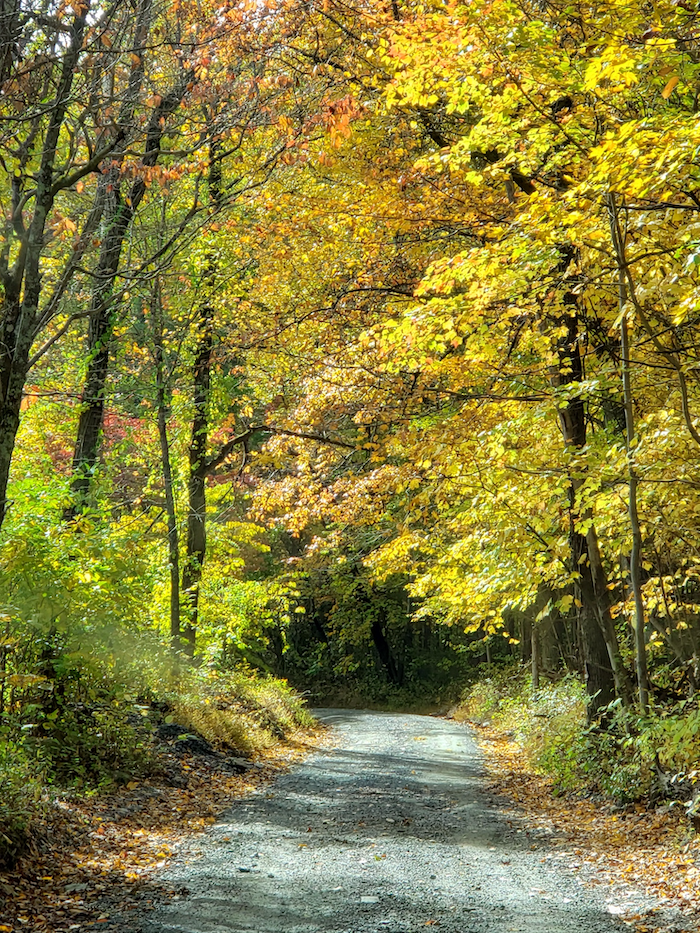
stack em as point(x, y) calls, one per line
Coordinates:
point(353, 342)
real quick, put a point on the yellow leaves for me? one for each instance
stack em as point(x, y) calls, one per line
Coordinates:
point(286, 124)
point(22, 681)
point(565, 603)
point(670, 86)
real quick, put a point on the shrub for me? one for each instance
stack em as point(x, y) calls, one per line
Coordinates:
point(490, 696)
point(625, 757)
point(20, 800)
point(92, 746)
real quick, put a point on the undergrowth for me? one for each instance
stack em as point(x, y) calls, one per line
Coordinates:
point(90, 721)
point(20, 801)
point(239, 710)
point(622, 756)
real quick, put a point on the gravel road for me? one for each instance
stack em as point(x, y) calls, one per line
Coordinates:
point(390, 830)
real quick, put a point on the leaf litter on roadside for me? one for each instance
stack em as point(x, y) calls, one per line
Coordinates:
point(104, 849)
point(654, 850)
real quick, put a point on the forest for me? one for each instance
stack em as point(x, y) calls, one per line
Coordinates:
point(348, 348)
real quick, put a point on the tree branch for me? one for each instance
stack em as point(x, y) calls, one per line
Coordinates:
point(320, 437)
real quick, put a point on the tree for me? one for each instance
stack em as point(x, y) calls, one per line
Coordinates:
point(37, 172)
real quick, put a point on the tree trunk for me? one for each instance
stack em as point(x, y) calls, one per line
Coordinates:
point(163, 411)
point(10, 35)
point(632, 480)
point(598, 673)
point(197, 512)
point(536, 659)
point(383, 647)
point(21, 284)
point(101, 328)
point(525, 627)
point(623, 684)
point(600, 651)
point(119, 212)
point(15, 343)
point(201, 380)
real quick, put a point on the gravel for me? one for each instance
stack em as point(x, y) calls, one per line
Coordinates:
point(391, 830)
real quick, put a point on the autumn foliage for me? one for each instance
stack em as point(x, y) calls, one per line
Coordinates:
point(355, 344)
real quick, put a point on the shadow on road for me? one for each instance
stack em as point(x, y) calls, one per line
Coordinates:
point(389, 831)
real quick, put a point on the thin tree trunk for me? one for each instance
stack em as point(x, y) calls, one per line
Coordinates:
point(201, 379)
point(632, 479)
point(196, 488)
point(525, 636)
point(166, 466)
point(536, 660)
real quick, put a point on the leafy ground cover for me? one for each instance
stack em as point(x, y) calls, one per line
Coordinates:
point(92, 854)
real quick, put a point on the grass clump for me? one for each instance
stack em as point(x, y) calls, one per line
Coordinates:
point(239, 711)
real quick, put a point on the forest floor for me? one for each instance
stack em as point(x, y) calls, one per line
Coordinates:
point(90, 847)
point(655, 850)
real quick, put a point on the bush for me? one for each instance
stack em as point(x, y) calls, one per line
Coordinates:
point(624, 757)
point(489, 697)
point(92, 746)
point(20, 800)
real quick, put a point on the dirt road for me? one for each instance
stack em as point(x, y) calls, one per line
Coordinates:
point(389, 831)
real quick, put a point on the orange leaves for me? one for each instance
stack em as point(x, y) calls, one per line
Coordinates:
point(670, 86)
point(76, 8)
point(338, 117)
point(63, 227)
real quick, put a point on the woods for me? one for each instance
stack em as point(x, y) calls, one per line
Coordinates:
point(349, 343)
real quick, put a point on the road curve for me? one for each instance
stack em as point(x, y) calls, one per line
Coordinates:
point(388, 831)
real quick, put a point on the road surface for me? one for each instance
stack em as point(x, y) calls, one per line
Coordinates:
point(391, 830)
